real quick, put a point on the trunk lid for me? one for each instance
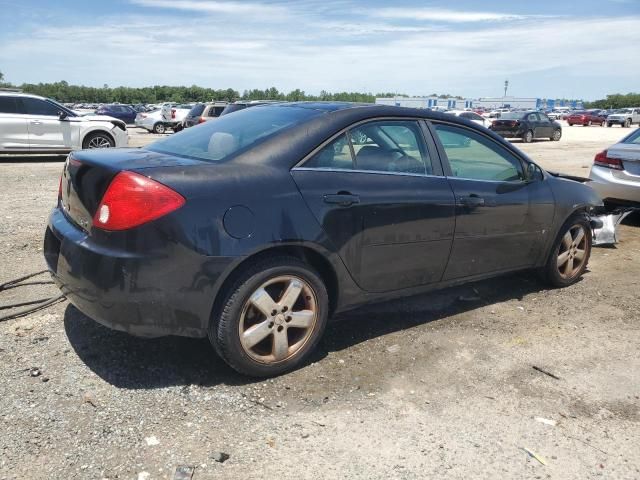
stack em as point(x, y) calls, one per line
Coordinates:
point(629, 153)
point(87, 174)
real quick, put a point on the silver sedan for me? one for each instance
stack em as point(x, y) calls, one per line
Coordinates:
point(615, 173)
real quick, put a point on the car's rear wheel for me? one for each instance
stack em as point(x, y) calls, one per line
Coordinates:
point(570, 124)
point(159, 128)
point(272, 317)
point(527, 137)
point(588, 124)
point(557, 135)
point(570, 252)
point(98, 140)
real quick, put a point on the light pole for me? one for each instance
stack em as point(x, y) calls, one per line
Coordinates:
point(506, 86)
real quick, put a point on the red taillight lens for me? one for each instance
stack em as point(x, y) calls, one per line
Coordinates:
point(602, 160)
point(60, 189)
point(201, 120)
point(133, 199)
point(173, 113)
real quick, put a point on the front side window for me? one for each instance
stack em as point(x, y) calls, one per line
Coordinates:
point(390, 146)
point(35, 106)
point(476, 157)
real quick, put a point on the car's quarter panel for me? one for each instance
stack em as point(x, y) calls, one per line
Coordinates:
point(399, 233)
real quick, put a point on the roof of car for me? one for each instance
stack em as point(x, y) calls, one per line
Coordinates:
point(19, 94)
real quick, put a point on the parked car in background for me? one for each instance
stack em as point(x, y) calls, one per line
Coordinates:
point(558, 113)
point(203, 112)
point(625, 117)
point(241, 105)
point(527, 126)
point(33, 124)
point(256, 228)
point(474, 117)
point(615, 173)
point(153, 121)
point(121, 112)
point(585, 119)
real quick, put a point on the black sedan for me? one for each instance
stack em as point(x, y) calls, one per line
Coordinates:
point(256, 228)
point(527, 126)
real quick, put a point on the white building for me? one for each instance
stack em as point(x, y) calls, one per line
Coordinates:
point(488, 103)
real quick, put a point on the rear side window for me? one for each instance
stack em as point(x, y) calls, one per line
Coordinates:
point(215, 111)
point(197, 110)
point(476, 157)
point(336, 155)
point(35, 106)
point(8, 105)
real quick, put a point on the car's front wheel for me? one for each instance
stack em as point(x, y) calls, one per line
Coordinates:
point(627, 123)
point(570, 252)
point(98, 140)
point(271, 318)
point(557, 135)
point(609, 124)
point(527, 137)
point(159, 128)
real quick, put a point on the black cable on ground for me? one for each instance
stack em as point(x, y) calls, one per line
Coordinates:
point(38, 304)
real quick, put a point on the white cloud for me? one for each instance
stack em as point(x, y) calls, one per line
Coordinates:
point(444, 15)
point(213, 6)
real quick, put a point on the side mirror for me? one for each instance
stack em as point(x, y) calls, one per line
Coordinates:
point(62, 115)
point(533, 172)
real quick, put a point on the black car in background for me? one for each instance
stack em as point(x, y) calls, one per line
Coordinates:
point(121, 112)
point(256, 228)
point(527, 126)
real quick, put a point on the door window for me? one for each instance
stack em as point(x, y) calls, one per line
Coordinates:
point(335, 155)
point(390, 146)
point(8, 104)
point(35, 106)
point(476, 157)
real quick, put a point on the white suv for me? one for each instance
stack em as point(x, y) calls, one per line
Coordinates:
point(32, 124)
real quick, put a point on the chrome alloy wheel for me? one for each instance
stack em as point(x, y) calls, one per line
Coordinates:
point(278, 319)
point(572, 252)
point(99, 142)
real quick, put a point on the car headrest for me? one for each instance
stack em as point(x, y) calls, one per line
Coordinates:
point(222, 144)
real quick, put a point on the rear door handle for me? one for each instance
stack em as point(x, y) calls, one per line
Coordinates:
point(342, 199)
point(472, 201)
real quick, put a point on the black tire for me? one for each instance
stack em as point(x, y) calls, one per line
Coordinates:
point(609, 124)
point(556, 136)
point(159, 128)
point(627, 123)
point(550, 272)
point(570, 124)
point(588, 124)
point(98, 140)
point(527, 137)
point(177, 128)
point(225, 324)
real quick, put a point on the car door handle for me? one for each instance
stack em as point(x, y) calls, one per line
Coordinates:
point(342, 199)
point(472, 201)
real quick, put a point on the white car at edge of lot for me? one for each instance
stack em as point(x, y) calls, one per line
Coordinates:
point(34, 124)
point(152, 121)
point(615, 173)
point(474, 117)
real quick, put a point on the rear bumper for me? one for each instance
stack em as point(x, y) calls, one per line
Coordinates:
point(615, 185)
point(509, 133)
point(148, 294)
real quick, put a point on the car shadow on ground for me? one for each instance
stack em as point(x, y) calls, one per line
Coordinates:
point(131, 362)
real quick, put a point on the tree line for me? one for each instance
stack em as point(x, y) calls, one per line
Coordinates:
point(66, 93)
point(617, 100)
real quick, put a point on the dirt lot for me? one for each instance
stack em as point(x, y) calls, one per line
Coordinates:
point(436, 386)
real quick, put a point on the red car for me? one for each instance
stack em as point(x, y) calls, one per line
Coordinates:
point(585, 119)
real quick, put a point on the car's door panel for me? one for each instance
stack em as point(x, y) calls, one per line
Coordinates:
point(501, 218)
point(393, 229)
point(46, 130)
point(397, 235)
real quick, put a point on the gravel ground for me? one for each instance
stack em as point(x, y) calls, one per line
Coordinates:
point(435, 386)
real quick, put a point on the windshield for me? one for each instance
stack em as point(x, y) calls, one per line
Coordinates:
point(511, 115)
point(197, 110)
point(218, 141)
point(623, 110)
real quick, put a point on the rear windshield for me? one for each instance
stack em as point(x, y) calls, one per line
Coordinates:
point(633, 138)
point(217, 141)
point(511, 115)
point(197, 110)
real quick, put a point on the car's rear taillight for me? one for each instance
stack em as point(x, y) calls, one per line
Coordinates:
point(60, 189)
point(602, 160)
point(132, 200)
point(202, 120)
point(173, 113)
